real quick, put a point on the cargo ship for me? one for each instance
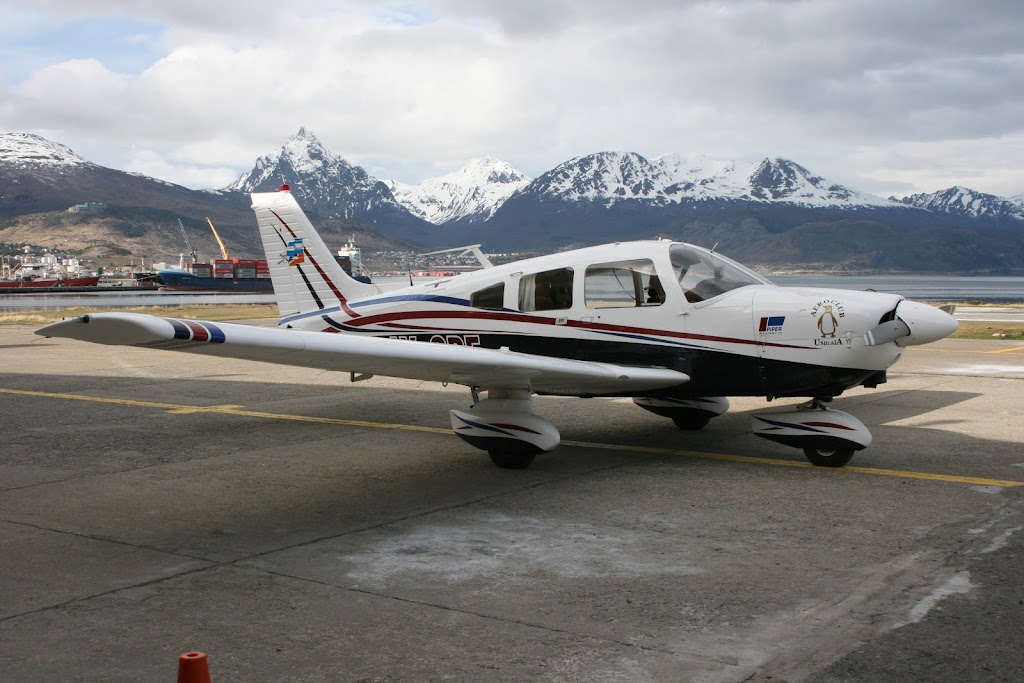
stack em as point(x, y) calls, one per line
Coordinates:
point(350, 258)
point(245, 275)
point(42, 283)
point(30, 273)
point(219, 275)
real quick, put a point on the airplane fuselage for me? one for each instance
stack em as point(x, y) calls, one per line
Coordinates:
point(639, 303)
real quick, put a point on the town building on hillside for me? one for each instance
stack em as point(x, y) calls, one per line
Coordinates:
point(88, 206)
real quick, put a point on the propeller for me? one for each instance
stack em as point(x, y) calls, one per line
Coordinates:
point(886, 332)
point(915, 323)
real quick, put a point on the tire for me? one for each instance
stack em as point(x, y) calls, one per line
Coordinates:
point(698, 419)
point(511, 461)
point(828, 457)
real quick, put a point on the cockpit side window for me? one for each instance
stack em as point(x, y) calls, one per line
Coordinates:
point(489, 297)
point(704, 275)
point(623, 284)
point(547, 291)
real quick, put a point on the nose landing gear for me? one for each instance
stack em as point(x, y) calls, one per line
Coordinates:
point(827, 437)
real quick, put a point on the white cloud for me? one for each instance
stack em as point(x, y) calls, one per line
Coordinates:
point(854, 90)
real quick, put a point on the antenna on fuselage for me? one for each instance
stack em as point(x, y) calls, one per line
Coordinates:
point(714, 247)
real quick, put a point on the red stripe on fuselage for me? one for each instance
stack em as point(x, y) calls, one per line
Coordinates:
point(387, 318)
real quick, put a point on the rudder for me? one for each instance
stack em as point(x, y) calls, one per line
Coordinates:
point(305, 275)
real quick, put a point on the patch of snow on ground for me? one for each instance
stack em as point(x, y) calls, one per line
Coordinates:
point(495, 544)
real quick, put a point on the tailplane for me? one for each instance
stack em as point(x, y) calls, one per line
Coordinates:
point(305, 275)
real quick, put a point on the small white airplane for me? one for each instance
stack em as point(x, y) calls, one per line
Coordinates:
point(674, 326)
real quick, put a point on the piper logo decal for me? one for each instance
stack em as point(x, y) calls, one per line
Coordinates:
point(771, 324)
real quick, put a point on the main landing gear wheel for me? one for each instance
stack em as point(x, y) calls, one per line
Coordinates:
point(829, 457)
point(511, 461)
point(696, 419)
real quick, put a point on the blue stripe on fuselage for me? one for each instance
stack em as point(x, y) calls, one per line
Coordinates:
point(434, 298)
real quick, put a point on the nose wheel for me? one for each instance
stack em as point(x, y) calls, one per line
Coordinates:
point(511, 461)
point(828, 457)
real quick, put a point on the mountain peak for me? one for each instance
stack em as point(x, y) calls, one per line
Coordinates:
point(323, 182)
point(27, 148)
point(965, 202)
point(470, 194)
point(301, 160)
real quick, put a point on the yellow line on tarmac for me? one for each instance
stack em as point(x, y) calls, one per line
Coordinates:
point(180, 409)
point(903, 474)
point(1011, 350)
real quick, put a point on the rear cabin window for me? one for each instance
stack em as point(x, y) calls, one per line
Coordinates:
point(489, 297)
point(547, 291)
point(623, 284)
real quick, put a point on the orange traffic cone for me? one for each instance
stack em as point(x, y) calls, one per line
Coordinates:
point(192, 668)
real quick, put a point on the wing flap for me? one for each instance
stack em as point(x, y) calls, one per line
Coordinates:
point(472, 366)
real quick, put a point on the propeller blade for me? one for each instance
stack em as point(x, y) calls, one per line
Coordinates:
point(886, 332)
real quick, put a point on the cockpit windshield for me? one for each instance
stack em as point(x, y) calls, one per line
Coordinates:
point(704, 275)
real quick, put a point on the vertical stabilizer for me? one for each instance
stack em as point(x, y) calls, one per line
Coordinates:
point(305, 275)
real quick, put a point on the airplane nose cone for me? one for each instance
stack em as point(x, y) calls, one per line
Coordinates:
point(927, 323)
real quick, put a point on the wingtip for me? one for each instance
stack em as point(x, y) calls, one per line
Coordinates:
point(62, 327)
point(111, 328)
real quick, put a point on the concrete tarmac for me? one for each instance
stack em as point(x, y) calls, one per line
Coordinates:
point(298, 527)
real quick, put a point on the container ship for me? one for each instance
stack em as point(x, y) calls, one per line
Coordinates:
point(244, 275)
point(239, 275)
point(220, 275)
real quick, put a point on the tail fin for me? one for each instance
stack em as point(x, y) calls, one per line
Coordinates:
point(305, 275)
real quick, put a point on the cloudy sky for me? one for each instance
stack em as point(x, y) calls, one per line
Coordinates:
point(891, 97)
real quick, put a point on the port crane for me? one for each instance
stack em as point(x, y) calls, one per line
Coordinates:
point(220, 242)
point(191, 250)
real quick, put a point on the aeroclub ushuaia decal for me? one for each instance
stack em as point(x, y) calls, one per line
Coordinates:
point(828, 312)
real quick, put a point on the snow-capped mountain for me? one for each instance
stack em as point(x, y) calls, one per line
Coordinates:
point(770, 211)
point(471, 194)
point(787, 181)
point(613, 177)
point(328, 186)
point(606, 177)
point(26, 149)
point(324, 182)
point(39, 177)
point(967, 203)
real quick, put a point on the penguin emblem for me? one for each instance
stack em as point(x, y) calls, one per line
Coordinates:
point(827, 323)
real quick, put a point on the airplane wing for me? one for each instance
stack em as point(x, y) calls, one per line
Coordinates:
point(471, 366)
